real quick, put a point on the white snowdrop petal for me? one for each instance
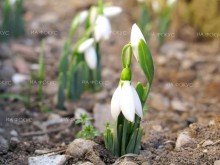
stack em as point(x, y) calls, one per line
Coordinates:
point(91, 57)
point(136, 36)
point(127, 102)
point(112, 11)
point(138, 106)
point(102, 28)
point(85, 45)
point(115, 103)
point(83, 15)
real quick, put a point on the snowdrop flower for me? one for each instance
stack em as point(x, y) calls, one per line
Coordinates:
point(171, 2)
point(82, 16)
point(136, 36)
point(89, 51)
point(12, 2)
point(102, 29)
point(126, 99)
point(155, 5)
point(112, 11)
point(140, 1)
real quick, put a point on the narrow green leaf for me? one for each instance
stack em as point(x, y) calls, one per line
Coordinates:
point(146, 61)
point(138, 141)
point(124, 137)
point(132, 141)
point(14, 96)
point(61, 91)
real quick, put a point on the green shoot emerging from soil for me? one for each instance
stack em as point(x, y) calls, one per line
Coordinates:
point(88, 131)
point(127, 102)
point(12, 24)
point(80, 67)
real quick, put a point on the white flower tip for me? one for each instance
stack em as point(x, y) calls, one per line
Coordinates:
point(91, 57)
point(136, 36)
point(112, 11)
point(102, 28)
point(82, 16)
point(115, 103)
point(85, 45)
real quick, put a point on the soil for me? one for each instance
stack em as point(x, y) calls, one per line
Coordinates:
point(184, 97)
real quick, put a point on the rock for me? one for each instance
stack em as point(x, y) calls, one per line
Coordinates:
point(47, 160)
point(21, 66)
point(184, 140)
point(186, 76)
point(87, 163)
point(51, 88)
point(5, 52)
point(159, 102)
point(79, 147)
point(94, 158)
point(157, 128)
point(26, 51)
point(161, 60)
point(13, 133)
point(127, 163)
point(41, 139)
point(102, 115)
point(173, 49)
point(207, 143)
point(178, 105)
point(101, 96)
point(217, 162)
point(19, 78)
point(4, 146)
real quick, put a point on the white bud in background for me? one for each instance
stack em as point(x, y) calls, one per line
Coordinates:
point(82, 16)
point(112, 11)
point(89, 52)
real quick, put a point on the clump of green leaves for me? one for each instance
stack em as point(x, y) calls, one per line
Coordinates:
point(12, 24)
point(88, 130)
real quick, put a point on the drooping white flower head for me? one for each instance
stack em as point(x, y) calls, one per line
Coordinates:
point(136, 36)
point(12, 2)
point(170, 2)
point(112, 11)
point(126, 100)
point(89, 52)
point(82, 16)
point(102, 29)
point(156, 5)
point(140, 1)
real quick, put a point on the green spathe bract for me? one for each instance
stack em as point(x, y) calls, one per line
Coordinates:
point(126, 135)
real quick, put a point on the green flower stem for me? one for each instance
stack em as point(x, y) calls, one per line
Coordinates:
point(127, 61)
point(100, 7)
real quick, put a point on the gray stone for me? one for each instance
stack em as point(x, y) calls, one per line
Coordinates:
point(102, 115)
point(184, 140)
point(79, 147)
point(217, 162)
point(4, 145)
point(47, 160)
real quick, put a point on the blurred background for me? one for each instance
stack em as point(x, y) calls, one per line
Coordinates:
point(184, 39)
